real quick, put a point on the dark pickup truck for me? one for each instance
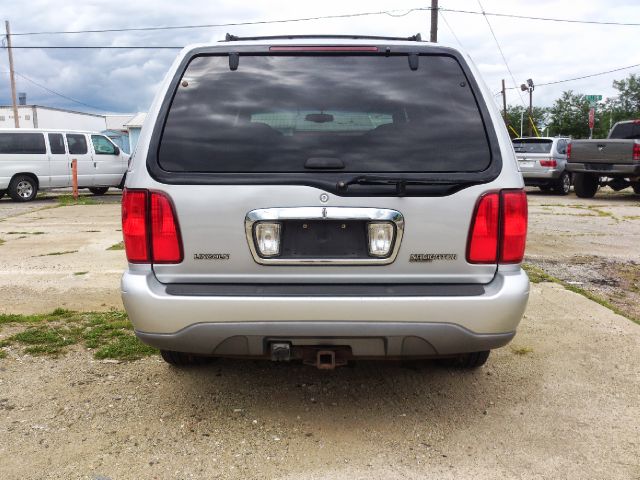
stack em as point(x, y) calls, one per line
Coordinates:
point(614, 161)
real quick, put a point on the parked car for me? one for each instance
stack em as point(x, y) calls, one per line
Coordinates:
point(311, 198)
point(34, 159)
point(543, 161)
point(614, 161)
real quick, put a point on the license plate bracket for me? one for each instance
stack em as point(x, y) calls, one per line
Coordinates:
point(324, 239)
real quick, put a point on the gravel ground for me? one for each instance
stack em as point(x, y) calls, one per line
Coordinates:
point(560, 402)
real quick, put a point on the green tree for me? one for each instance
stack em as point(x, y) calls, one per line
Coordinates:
point(515, 116)
point(569, 116)
point(624, 106)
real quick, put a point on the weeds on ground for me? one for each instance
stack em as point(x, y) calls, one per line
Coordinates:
point(2, 241)
point(65, 252)
point(537, 275)
point(117, 246)
point(521, 350)
point(67, 200)
point(108, 334)
point(25, 233)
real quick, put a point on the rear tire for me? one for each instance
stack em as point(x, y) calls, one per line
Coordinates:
point(98, 190)
point(2, 192)
point(23, 188)
point(467, 361)
point(545, 188)
point(562, 186)
point(586, 185)
point(635, 186)
point(183, 359)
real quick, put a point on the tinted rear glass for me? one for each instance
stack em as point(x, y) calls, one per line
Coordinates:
point(532, 145)
point(22, 143)
point(629, 131)
point(363, 113)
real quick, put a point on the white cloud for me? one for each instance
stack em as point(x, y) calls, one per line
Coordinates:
point(125, 80)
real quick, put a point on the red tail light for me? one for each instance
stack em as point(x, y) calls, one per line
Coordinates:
point(499, 228)
point(636, 152)
point(568, 151)
point(134, 225)
point(513, 220)
point(548, 162)
point(165, 236)
point(483, 242)
point(150, 228)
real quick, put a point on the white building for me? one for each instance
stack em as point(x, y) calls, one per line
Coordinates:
point(36, 116)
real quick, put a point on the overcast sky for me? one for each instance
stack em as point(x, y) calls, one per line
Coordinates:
point(126, 80)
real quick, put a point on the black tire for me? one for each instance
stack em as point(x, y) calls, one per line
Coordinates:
point(635, 186)
point(467, 361)
point(98, 190)
point(545, 188)
point(23, 188)
point(586, 184)
point(562, 186)
point(183, 359)
point(2, 192)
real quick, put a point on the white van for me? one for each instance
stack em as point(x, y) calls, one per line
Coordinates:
point(37, 159)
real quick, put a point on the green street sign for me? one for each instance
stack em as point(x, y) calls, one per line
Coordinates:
point(593, 98)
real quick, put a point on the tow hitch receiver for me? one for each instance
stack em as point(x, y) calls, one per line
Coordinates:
point(326, 358)
point(280, 352)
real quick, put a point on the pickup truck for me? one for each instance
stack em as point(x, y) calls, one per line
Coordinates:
point(614, 161)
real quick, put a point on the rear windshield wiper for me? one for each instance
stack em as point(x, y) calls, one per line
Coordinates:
point(400, 183)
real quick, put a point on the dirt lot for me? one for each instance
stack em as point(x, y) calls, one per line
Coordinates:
point(560, 402)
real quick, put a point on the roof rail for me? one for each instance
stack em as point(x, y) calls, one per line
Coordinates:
point(233, 38)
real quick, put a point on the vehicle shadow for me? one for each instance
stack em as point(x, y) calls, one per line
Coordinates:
point(382, 396)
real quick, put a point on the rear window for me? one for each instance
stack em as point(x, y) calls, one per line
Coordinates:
point(22, 143)
point(355, 113)
point(532, 145)
point(629, 131)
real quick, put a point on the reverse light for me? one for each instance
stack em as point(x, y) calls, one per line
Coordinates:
point(380, 238)
point(268, 238)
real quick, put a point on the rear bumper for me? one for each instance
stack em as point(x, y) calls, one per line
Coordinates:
point(537, 177)
point(373, 326)
point(606, 170)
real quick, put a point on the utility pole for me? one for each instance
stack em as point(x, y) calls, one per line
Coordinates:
point(530, 87)
point(433, 38)
point(504, 103)
point(12, 75)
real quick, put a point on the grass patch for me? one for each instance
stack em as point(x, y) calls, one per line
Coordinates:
point(537, 275)
point(109, 334)
point(521, 350)
point(3, 354)
point(25, 233)
point(77, 274)
point(65, 252)
point(117, 246)
point(67, 200)
point(2, 241)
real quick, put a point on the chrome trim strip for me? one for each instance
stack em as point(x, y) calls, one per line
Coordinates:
point(324, 213)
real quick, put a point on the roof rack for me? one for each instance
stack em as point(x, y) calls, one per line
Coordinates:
point(413, 38)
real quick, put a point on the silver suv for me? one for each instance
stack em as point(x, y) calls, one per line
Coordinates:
point(543, 163)
point(324, 199)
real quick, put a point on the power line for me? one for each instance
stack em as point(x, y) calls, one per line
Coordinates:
point(583, 76)
point(392, 13)
point(544, 19)
point(504, 58)
point(55, 93)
